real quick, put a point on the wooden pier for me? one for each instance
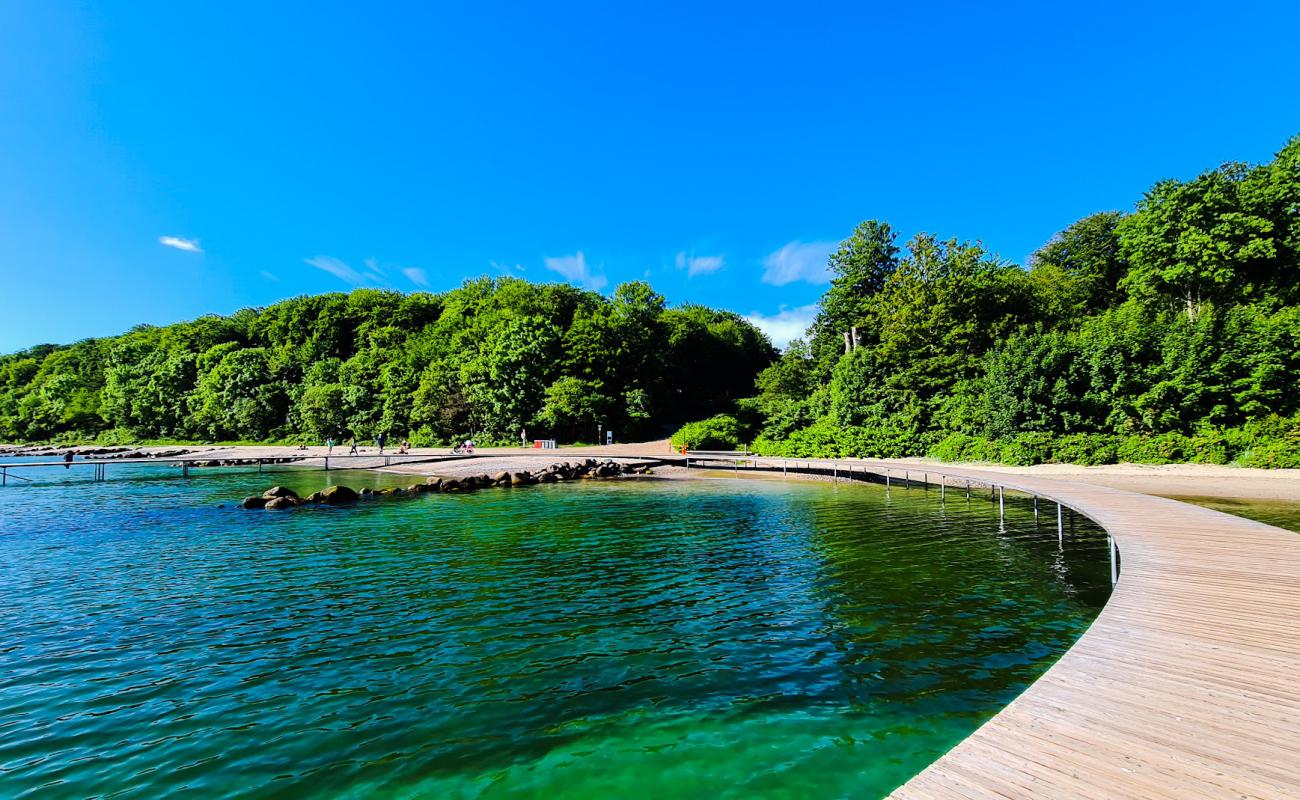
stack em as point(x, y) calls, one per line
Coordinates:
point(1186, 686)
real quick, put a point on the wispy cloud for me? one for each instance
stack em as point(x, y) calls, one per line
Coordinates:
point(188, 245)
point(574, 269)
point(699, 265)
point(336, 268)
point(417, 276)
point(270, 276)
point(507, 269)
point(786, 324)
point(799, 261)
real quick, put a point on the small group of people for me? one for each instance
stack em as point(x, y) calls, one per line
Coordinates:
point(403, 449)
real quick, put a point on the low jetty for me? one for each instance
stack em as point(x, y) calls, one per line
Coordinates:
point(279, 497)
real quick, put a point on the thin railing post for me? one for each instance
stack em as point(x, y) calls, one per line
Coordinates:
point(1060, 526)
point(1002, 505)
point(1114, 562)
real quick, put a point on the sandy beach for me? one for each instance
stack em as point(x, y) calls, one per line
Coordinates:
point(1168, 480)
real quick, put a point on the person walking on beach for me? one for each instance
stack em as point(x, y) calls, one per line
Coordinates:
point(379, 440)
point(352, 446)
point(329, 445)
point(67, 460)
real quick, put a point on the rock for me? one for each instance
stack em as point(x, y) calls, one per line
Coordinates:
point(390, 490)
point(501, 477)
point(520, 479)
point(366, 492)
point(548, 477)
point(338, 495)
point(418, 488)
point(277, 503)
point(255, 501)
point(315, 497)
point(450, 485)
point(279, 491)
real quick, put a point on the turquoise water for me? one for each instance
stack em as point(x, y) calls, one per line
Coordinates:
point(716, 638)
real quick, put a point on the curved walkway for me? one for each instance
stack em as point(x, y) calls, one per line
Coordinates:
point(1187, 685)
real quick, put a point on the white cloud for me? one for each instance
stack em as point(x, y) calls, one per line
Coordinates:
point(507, 269)
point(270, 276)
point(336, 268)
point(787, 324)
point(373, 266)
point(574, 269)
point(698, 265)
point(188, 245)
point(417, 276)
point(799, 261)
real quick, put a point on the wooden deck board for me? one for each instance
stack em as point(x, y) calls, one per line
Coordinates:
point(1187, 685)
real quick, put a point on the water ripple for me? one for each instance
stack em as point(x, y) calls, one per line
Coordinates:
point(702, 639)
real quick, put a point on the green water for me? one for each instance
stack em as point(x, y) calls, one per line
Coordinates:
point(1282, 513)
point(720, 638)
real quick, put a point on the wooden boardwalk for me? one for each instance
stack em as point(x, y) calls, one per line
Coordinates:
point(1187, 685)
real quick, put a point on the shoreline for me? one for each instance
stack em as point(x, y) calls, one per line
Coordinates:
point(1166, 480)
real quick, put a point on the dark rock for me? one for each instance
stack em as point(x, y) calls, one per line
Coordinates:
point(277, 503)
point(520, 479)
point(501, 477)
point(255, 501)
point(548, 477)
point(315, 497)
point(418, 488)
point(279, 491)
point(338, 495)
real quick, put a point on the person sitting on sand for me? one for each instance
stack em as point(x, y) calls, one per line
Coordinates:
point(406, 447)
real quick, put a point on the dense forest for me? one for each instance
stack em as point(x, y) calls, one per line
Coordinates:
point(1171, 333)
point(485, 360)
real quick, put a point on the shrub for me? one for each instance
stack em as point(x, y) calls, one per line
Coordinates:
point(1163, 448)
point(827, 439)
point(1088, 449)
point(721, 432)
point(964, 447)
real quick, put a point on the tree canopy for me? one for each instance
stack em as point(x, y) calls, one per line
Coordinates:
point(1167, 333)
point(488, 359)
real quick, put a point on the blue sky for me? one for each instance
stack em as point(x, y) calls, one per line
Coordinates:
point(163, 160)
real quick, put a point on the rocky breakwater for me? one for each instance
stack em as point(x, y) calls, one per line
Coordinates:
point(280, 497)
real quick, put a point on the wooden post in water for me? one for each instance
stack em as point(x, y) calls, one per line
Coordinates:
point(1002, 505)
point(1060, 527)
point(907, 480)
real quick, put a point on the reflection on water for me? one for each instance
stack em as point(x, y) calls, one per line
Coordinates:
point(662, 638)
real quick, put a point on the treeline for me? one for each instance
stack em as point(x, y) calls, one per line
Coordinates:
point(1171, 333)
point(486, 359)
